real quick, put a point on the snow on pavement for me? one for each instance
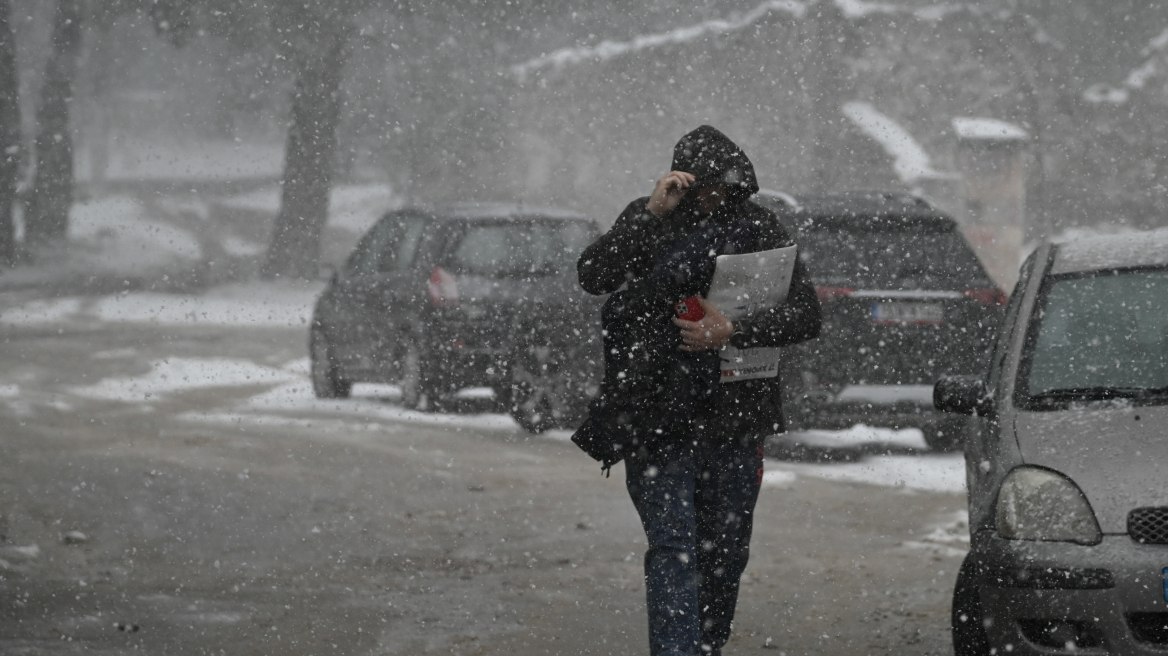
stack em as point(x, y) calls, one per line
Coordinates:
point(949, 538)
point(113, 235)
point(183, 374)
point(289, 396)
point(857, 436)
point(244, 305)
point(298, 397)
point(925, 472)
point(132, 241)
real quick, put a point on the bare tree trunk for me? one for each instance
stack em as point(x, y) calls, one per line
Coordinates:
point(52, 191)
point(830, 37)
point(294, 250)
point(9, 135)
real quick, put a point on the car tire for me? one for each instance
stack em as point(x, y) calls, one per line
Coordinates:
point(418, 391)
point(946, 434)
point(327, 382)
point(968, 621)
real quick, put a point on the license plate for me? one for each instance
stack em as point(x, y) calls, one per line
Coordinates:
point(908, 312)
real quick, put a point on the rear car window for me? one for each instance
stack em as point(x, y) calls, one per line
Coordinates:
point(905, 256)
point(390, 246)
point(516, 249)
point(1096, 337)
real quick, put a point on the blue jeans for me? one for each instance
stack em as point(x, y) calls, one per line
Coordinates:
point(696, 501)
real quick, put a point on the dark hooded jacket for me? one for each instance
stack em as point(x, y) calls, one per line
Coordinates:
point(650, 263)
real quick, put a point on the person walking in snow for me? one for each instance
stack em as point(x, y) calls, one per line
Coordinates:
point(692, 445)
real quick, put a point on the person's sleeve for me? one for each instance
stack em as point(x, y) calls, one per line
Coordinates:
point(797, 320)
point(609, 261)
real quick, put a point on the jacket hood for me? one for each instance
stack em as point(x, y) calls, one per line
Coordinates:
point(713, 158)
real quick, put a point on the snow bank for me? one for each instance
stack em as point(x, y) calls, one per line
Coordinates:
point(988, 128)
point(857, 436)
point(111, 236)
point(298, 397)
point(246, 305)
point(910, 161)
point(885, 394)
point(352, 207)
point(929, 473)
point(41, 312)
point(950, 538)
point(181, 374)
point(357, 207)
point(124, 238)
point(291, 392)
point(196, 160)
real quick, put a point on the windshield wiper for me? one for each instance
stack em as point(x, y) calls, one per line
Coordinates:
point(1099, 393)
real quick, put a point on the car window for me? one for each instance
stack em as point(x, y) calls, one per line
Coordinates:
point(399, 254)
point(899, 257)
point(510, 249)
point(1006, 335)
point(390, 246)
point(1099, 336)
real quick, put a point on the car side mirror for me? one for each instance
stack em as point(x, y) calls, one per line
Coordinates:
point(963, 395)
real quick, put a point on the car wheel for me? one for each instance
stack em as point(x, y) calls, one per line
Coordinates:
point(417, 391)
point(327, 382)
point(945, 434)
point(541, 393)
point(968, 622)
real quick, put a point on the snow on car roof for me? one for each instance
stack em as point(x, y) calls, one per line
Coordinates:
point(988, 129)
point(1131, 249)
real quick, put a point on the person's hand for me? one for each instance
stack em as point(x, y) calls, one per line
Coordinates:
point(669, 191)
point(711, 332)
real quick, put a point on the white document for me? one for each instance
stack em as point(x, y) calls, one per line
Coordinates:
point(743, 285)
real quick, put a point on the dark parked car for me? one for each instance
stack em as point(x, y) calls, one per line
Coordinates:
point(1064, 452)
point(905, 299)
point(439, 299)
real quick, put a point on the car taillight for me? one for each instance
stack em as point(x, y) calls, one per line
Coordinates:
point(991, 296)
point(443, 288)
point(826, 294)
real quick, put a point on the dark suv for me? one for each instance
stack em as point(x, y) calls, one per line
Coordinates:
point(905, 299)
point(439, 299)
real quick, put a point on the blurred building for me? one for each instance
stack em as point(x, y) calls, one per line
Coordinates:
point(991, 156)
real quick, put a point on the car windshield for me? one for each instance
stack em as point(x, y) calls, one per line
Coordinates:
point(517, 249)
point(897, 257)
point(1098, 337)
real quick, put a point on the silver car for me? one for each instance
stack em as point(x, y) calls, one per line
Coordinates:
point(1066, 452)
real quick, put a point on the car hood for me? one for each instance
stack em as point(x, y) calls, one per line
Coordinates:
point(1117, 455)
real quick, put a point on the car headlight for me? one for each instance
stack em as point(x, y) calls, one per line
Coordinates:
point(1039, 504)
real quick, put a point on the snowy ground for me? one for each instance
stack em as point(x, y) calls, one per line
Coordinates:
point(266, 305)
point(167, 466)
point(185, 237)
